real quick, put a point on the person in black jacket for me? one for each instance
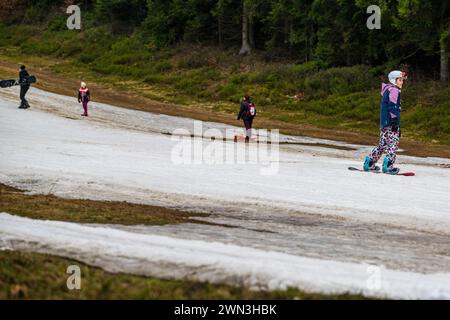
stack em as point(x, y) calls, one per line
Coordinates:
point(247, 113)
point(24, 87)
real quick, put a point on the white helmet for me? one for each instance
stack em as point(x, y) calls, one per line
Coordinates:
point(394, 75)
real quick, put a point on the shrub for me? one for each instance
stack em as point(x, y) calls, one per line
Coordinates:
point(57, 23)
point(193, 62)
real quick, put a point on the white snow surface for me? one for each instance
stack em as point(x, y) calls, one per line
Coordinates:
point(120, 251)
point(121, 154)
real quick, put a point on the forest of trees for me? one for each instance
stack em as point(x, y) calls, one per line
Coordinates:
point(332, 31)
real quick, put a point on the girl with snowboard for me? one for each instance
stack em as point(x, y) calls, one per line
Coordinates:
point(247, 113)
point(84, 96)
point(390, 125)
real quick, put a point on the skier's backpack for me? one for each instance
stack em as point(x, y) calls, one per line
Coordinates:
point(251, 111)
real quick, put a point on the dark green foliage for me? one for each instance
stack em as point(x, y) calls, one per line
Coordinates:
point(121, 15)
point(331, 31)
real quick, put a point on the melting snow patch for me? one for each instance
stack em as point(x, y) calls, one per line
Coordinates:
point(160, 256)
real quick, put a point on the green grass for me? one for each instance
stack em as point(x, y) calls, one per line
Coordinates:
point(37, 276)
point(49, 207)
point(345, 98)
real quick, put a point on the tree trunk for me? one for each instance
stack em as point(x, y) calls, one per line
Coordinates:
point(306, 45)
point(251, 33)
point(444, 63)
point(245, 44)
point(219, 25)
point(442, 42)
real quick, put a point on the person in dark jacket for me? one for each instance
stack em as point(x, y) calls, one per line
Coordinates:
point(84, 96)
point(24, 87)
point(247, 113)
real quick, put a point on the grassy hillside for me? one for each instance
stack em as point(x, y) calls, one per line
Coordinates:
point(37, 276)
point(344, 98)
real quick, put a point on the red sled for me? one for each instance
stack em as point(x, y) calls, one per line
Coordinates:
point(240, 138)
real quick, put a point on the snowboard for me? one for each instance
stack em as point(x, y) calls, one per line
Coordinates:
point(11, 83)
point(405, 174)
point(8, 83)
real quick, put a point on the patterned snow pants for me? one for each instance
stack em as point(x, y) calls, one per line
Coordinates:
point(388, 144)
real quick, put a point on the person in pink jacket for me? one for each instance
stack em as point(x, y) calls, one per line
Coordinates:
point(84, 96)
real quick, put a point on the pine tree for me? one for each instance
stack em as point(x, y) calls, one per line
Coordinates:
point(426, 24)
